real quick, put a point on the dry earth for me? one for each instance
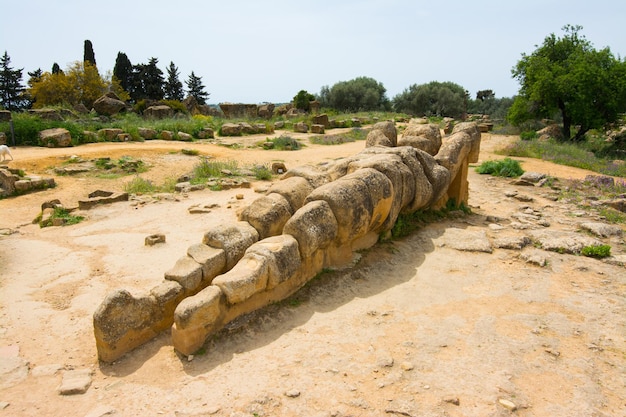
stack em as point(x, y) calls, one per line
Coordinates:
point(419, 327)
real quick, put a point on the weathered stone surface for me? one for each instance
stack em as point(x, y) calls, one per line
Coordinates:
point(187, 272)
point(467, 240)
point(301, 127)
point(377, 138)
point(315, 175)
point(154, 239)
point(57, 137)
point(471, 128)
point(5, 115)
point(266, 111)
point(267, 214)
point(3, 138)
point(601, 229)
point(231, 129)
point(158, 112)
point(388, 128)
point(293, 189)
point(532, 177)
point(123, 322)
point(196, 317)
point(167, 295)
point(314, 226)
point(321, 119)
point(348, 199)
point(282, 255)
point(238, 110)
point(110, 134)
point(76, 381)
point(105, 199)
point(47, 114)
point(212, 260)
point(108, 106)
point(166, 135)
point(426, 137)
point(278, 167)
point(317, 129)
point(234, 239)
point(248, 277)
point(206, 133)
point(563, 242)
point(186, 137)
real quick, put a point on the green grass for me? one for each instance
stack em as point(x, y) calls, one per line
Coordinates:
point(353, 135)
point(140, 186)
point(504, 168)
point(59, 213)
point(206, 169)
point(286, 143)
point(597, 251)
point(262, 172)
point(410, 222)
point(570, 154)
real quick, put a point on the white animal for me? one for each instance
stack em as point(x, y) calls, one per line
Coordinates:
point(4, 152)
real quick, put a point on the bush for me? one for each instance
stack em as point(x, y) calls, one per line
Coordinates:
point(597, 251)
point(286, 143)
point(528, 135)
point(504, 168)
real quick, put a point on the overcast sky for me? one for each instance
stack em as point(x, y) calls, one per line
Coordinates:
point(252, 51)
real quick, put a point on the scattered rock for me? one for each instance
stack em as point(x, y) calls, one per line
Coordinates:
point(452, 400)
point(407, 366)
point(601, 229)
point(385, 362)
point(512, 242)
point(154, 239)
point(535, 257)
point(292, 393)
point(532, 177)
point(46, 370)
point(564, 242)
point(75, 382)
point(101, 411)
point(507, 404)
point(467, 240)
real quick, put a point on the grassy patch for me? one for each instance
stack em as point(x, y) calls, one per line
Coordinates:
point(206, 169)
point(408, 223)
point(59, 213)
point(190, 152)
point(286, 143)
point(140, 185)
point(504, 168)
point(351, 136)
point(570, 154)
point(597, 251)
point(262, 172)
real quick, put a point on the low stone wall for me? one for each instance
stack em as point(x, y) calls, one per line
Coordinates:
point(315, 217)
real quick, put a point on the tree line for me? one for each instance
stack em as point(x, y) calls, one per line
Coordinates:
point(82, 83)
point(565, 79)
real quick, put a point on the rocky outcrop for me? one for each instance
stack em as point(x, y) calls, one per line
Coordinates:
point(315, 217)
point(47, 114)
point(239, 111)
point(108, 105)
point(158, 112)
point(57, 137)
point(12, 183)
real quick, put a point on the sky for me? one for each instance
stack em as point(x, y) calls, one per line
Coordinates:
point(250, 51)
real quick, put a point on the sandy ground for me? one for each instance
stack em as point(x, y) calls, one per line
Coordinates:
point(416, 328)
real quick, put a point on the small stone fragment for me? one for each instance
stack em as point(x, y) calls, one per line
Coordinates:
point(507, 404)
point(154, 239)
point(408, 366)
point(75, 382)
point(452, 400)
point(292, 393)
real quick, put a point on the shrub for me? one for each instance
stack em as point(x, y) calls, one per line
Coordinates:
point(504, 168)
point(60, 213)
point(213, 169)
point(139, 185)
point(286, 143)
point(262, 172)
point(528, 135)
point(597, 251)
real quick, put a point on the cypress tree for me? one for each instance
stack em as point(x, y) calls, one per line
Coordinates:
point(89, 55)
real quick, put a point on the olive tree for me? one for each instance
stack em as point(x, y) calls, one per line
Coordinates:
point(566, 76)
point(433, 99)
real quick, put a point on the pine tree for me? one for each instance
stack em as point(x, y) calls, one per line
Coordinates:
point(11, 88)
point(56, 69)
point(153, 80)
point(123, 72)
point(173, 87)
point(89, 55)
point(196, 89)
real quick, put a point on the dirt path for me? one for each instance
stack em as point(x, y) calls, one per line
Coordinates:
point(417, 328)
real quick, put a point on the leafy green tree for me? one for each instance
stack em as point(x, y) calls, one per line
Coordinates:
point(89, 55)
point(173, 87)
point(433, 99)
point(302, 100)
point(123, 71)
point(195, 88)
point(361, 93)
point(11, 88)
point(568, 77)
point(80, 84)
point(483, 95)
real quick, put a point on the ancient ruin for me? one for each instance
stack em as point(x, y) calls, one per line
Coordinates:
point(315, 217)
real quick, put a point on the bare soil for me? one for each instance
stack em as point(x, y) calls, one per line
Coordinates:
point(416, 328)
